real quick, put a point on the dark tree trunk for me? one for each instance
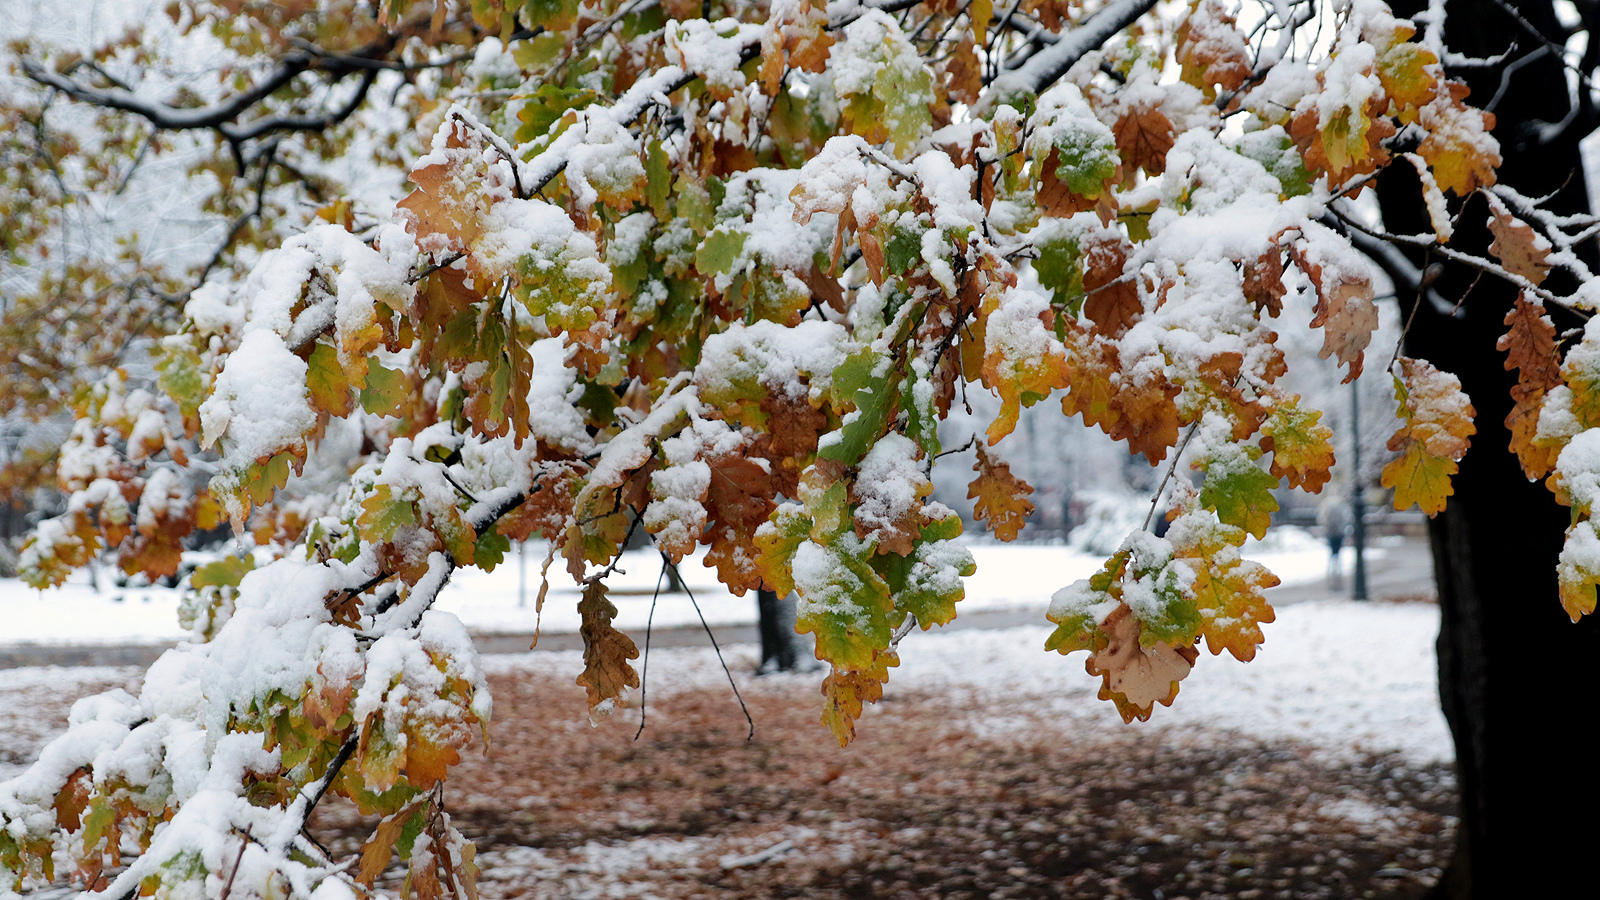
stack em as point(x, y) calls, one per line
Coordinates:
point(1516, 676)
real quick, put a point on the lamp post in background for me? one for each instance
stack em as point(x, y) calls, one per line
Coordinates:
point(1358, 497)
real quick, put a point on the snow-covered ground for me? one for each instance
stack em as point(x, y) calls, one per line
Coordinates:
point(1008, 576)
point(1346, 679)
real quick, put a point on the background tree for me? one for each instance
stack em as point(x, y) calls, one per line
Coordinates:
point(719, 272)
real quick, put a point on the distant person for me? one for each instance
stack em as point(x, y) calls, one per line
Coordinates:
point(1334, 517)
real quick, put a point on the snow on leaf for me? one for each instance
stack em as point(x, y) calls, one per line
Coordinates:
point(1301, 447)
point(1457, 145)
point(1578, 569)
point(887, 494)
point(1001, 496)
point(1075, 153)
point(886, 91)
point(1023, 362)
point(1228, 590)
point(1519, 248)
point(1210, 48)
point(1344, 310)
point(1437, 419)
point(1237, 489)
point(927, 583)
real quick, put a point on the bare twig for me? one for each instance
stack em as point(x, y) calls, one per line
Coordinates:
point(742, 708)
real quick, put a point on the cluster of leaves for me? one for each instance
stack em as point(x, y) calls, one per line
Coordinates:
point(100, 253)
point(722, 277)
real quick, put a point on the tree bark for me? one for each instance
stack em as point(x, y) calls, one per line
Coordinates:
point(1516, 676)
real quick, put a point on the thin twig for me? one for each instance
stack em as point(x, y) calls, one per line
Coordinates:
point(742, 708)
point(227, 888)
point(1176, 456)
point(644, 670)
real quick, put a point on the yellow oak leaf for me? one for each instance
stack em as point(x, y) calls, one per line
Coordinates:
point(1458, 145)
point(1001, 496)
point(1437, 418)
point(1301, 447)
point(1228, 590)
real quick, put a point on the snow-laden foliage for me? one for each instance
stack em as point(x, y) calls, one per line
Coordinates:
point(722, 280)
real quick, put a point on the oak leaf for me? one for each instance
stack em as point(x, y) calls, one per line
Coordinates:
point(738, 501)
point(1263, 281)
point(1228, 591)
point(1530, 348)
point(1457, 144)
point(1136, 677)
point(1144, 135)
point(1519, 248)
point(1001, 496)
point(1210, 48)
point(606, 651)
point(1437, 417)
point(843, 695)
point(1111, 301)
point(1301, 447)
point(1344, 311)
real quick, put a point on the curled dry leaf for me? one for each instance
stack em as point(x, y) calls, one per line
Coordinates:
point(1135, 677)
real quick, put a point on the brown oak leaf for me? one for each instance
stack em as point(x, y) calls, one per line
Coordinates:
point(1144, 134)
point(1530, 348)
point(606, 651)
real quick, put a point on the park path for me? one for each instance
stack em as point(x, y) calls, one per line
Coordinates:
point(1404, 571)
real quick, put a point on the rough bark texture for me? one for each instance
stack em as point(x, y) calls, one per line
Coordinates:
point(1516, 676)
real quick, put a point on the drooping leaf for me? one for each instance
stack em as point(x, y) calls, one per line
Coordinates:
point(1001, 496)
point(1437, 422)
point(607, 652)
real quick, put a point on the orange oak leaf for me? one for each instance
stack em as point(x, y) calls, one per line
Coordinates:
point(1134, 406)
point(1519, 248)
point(1001, 496)
point(1263, 281)
point(1530, 348)
point(1112, 305)
point(1348, 145)
point(1458, 145)
point(1211, 49)
point(738, 500)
